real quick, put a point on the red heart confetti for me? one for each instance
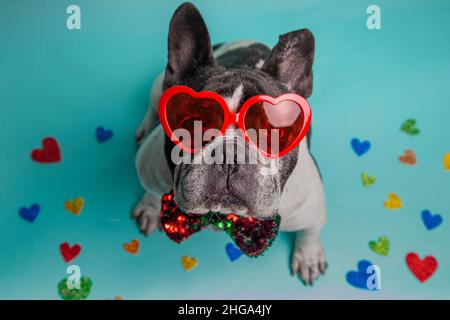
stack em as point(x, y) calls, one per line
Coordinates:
point(69, 253)
point(49, 153)
point(422, 269)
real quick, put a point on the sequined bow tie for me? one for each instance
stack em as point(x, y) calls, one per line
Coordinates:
point(252, 236)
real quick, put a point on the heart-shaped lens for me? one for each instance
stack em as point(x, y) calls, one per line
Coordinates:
point(273, 125)
point(189, 117)
point(275, 128)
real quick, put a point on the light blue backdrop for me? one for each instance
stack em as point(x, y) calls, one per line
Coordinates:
point(62, 83)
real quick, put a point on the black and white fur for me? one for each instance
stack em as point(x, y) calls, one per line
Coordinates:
point(237, 71)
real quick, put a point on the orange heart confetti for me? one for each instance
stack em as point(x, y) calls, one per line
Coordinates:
point(446, 161)
point(409, 157)
point(132, 247)
point(188, 262)
point(394, 202)
point(75, 206)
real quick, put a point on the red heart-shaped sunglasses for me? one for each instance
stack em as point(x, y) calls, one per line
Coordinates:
point(274, 126)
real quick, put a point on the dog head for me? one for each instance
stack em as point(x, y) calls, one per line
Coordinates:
point(246, 189)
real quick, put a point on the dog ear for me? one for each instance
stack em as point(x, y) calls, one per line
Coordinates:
point(291, 61)
point(189, 44)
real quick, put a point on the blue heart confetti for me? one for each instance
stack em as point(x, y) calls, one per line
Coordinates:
point(430, 220)
point(103, 135)
point(30, 214)
point(360, 147)
point(232, 251)
point(358, 279)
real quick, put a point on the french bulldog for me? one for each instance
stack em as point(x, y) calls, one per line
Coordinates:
point(237, 71)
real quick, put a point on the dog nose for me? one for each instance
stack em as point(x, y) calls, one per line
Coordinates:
point(230, 163)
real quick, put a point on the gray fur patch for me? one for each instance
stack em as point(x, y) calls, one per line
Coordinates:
point(245, 57)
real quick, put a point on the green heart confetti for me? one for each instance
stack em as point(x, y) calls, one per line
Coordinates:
point(381, 246)
point(409, 127)
point(75, 294)
point(367, 180)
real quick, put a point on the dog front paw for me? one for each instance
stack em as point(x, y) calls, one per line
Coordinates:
point(308, 261)
point(146, 214)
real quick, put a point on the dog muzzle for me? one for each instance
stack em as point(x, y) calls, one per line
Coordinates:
point(252, 236)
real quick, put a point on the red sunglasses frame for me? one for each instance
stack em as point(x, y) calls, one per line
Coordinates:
point(235, 118)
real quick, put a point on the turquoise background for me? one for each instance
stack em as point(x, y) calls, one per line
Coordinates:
point(64, 83)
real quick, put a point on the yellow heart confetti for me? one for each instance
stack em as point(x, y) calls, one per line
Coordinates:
point(393, 202)
point(188, 262)
point(447, 161)
point(75, 206)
